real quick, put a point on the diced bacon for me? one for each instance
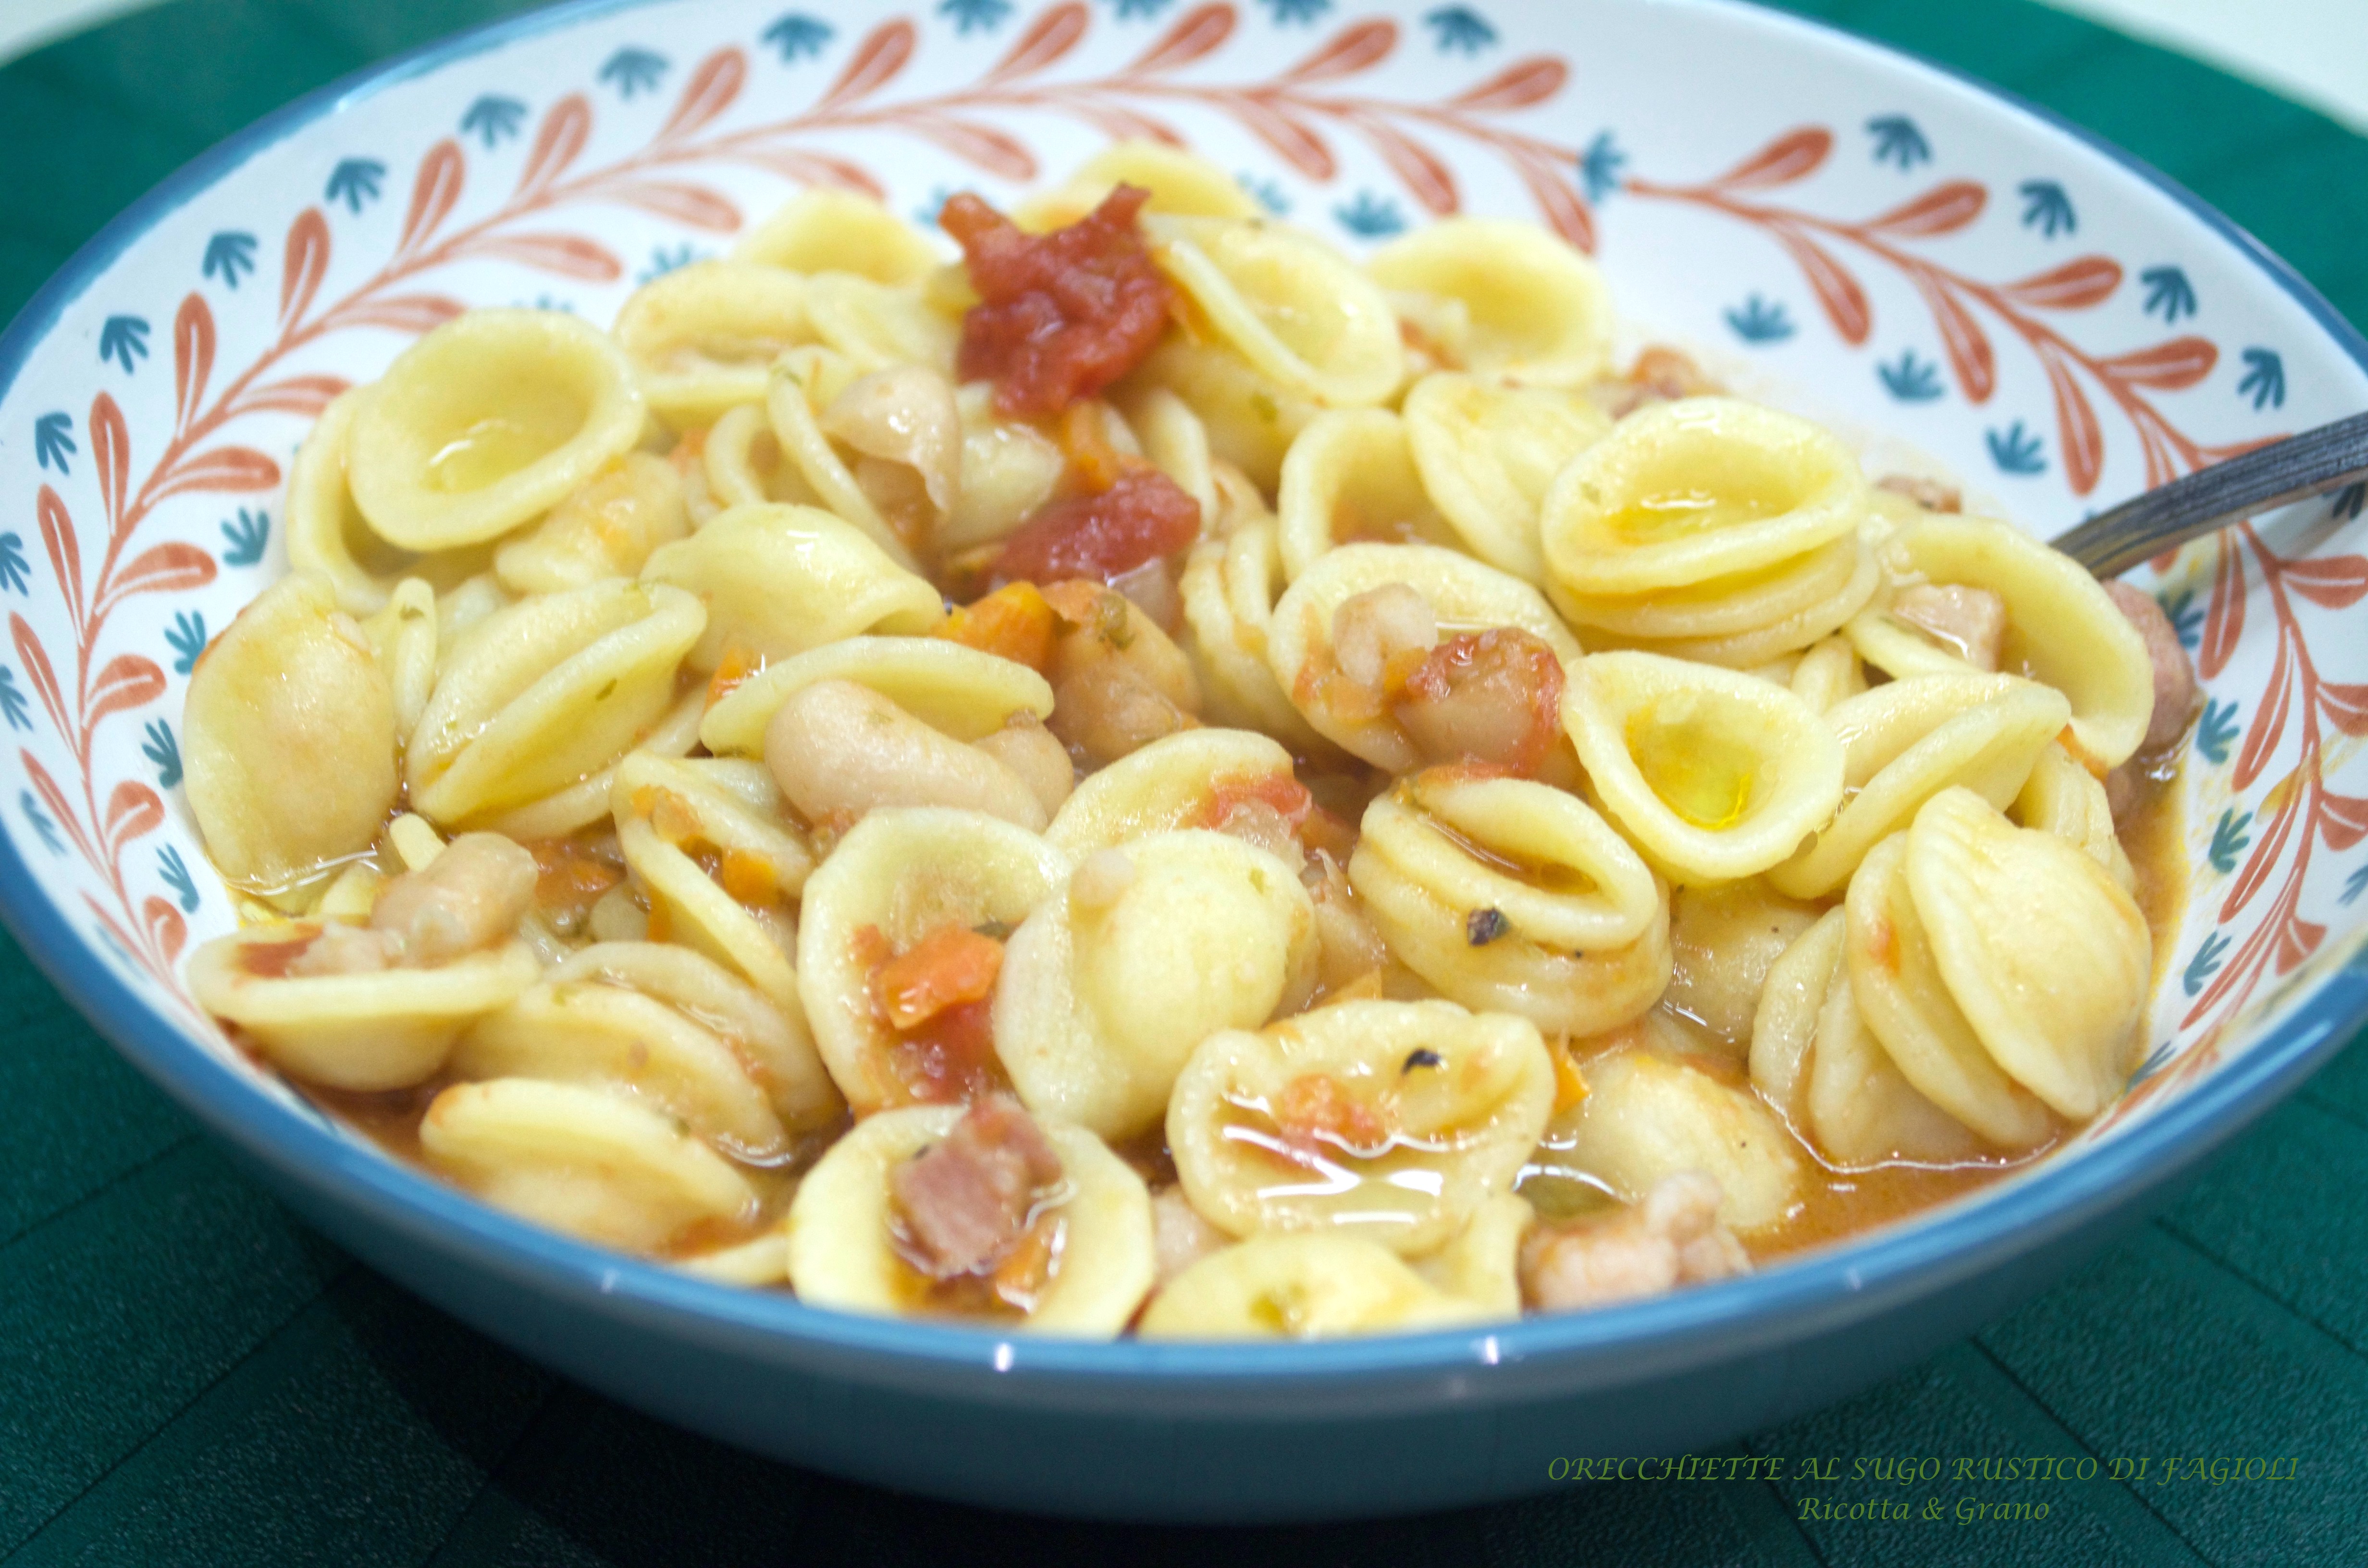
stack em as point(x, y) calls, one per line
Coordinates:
point(1971, 622)
point(2175, 694)
point(1060, 315)
point(1672, 1238)
point(1489, 696)
point(1142, 517)
point(964, 1199)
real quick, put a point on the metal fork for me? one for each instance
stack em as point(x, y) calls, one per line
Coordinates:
point(2210, 499)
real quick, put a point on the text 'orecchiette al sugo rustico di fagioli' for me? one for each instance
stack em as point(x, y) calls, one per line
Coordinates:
point(1158, 777)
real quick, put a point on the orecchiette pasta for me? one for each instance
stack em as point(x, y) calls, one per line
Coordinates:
point(1165, 775)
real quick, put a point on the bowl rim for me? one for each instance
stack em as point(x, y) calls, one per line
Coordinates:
point(1827, 1286)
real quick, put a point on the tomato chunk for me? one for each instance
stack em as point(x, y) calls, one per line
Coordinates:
point(1143, 516)
point(1060, 315)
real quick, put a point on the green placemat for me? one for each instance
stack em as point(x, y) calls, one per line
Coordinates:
point(188, 1375)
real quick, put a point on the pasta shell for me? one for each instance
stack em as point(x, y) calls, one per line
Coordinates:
point(904, 873)
point(1228, 588)
point(1827, 673)
point(744, 464)
point(1726, 607)
point(1792, 999)
point(611, 1036)
point(1681, 492)
point(1538, 309)
point(702, 336)
point(1905, 742)
point(1482, 1264)
point(805, 381)
point(1311, 1285)
point(1513, 896)
point(1180, 183)
point(579, 805)
point(843, 1255)
point(1251, 419)
point(1009, 469)
point(1905, 1001)
point(827, 230)
point(780, 580)
point(1715, 774)
point(1466, 595)
point(2063, 798)
point(1394, 1120)
point(287, 739)
point(581, 1160)
point(1175, 442)
point(1651, 1113)
point(328, 536)
point(2062, 629)
point(751, 1264)
point(403, 633)
point(604, 529)
point(879, 326)
point(2047, 958)
point(540, 695)
point(1350, 476)
point(709, 844)
point(1296, 311)
point(770, 1041)
point(383, 1029)
point(1726, 940)
point(487, 421)
point(955, 689)
point(1101, 1000)
point(1862, 1111)
point(1183, 780)
point(1487, 453)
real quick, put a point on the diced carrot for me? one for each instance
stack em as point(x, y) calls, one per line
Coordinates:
point(749, 877)
point(1014, 622)
point(1313, 1106)
point(1570, 1084)
point(739, 663)
point(568, 876)
point(950, 966)
point(1084, 439)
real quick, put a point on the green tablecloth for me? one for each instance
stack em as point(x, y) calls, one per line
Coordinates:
point(188, 1375)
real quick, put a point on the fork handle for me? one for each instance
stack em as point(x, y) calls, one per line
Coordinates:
point(2210, 499)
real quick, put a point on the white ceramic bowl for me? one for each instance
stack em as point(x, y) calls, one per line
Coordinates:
point(1935, 269)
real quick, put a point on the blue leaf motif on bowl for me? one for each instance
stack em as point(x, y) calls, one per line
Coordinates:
point(1369, 216)
point(493, 119)
point(2046, 207)
point(14, 571)
point(186, 637)
point(12, 701)
point(2205, 964)
point(355, 182)
point(1910, 379)
point(125, 339)
point(633, 71)
point(2168, 293)
point(1286, 12)
point(1269, 192)
point(53, 442)
point(2265, 379)
point(1599, 166)
point(667, 258)
point(176, 872)
point(243, 538)
point(979, 15)
point(2353, 886)
point(2186, 616)
point(798, 36)
point(40, 819)
point(1460, 29)
point(1898, 140)
point(161, 748)
point(2345, 507)
point(2216, 730)
point(230, 254)
point(2229, 839)
point(2015, 449)
point(1138, 10)
point(1758, 320)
